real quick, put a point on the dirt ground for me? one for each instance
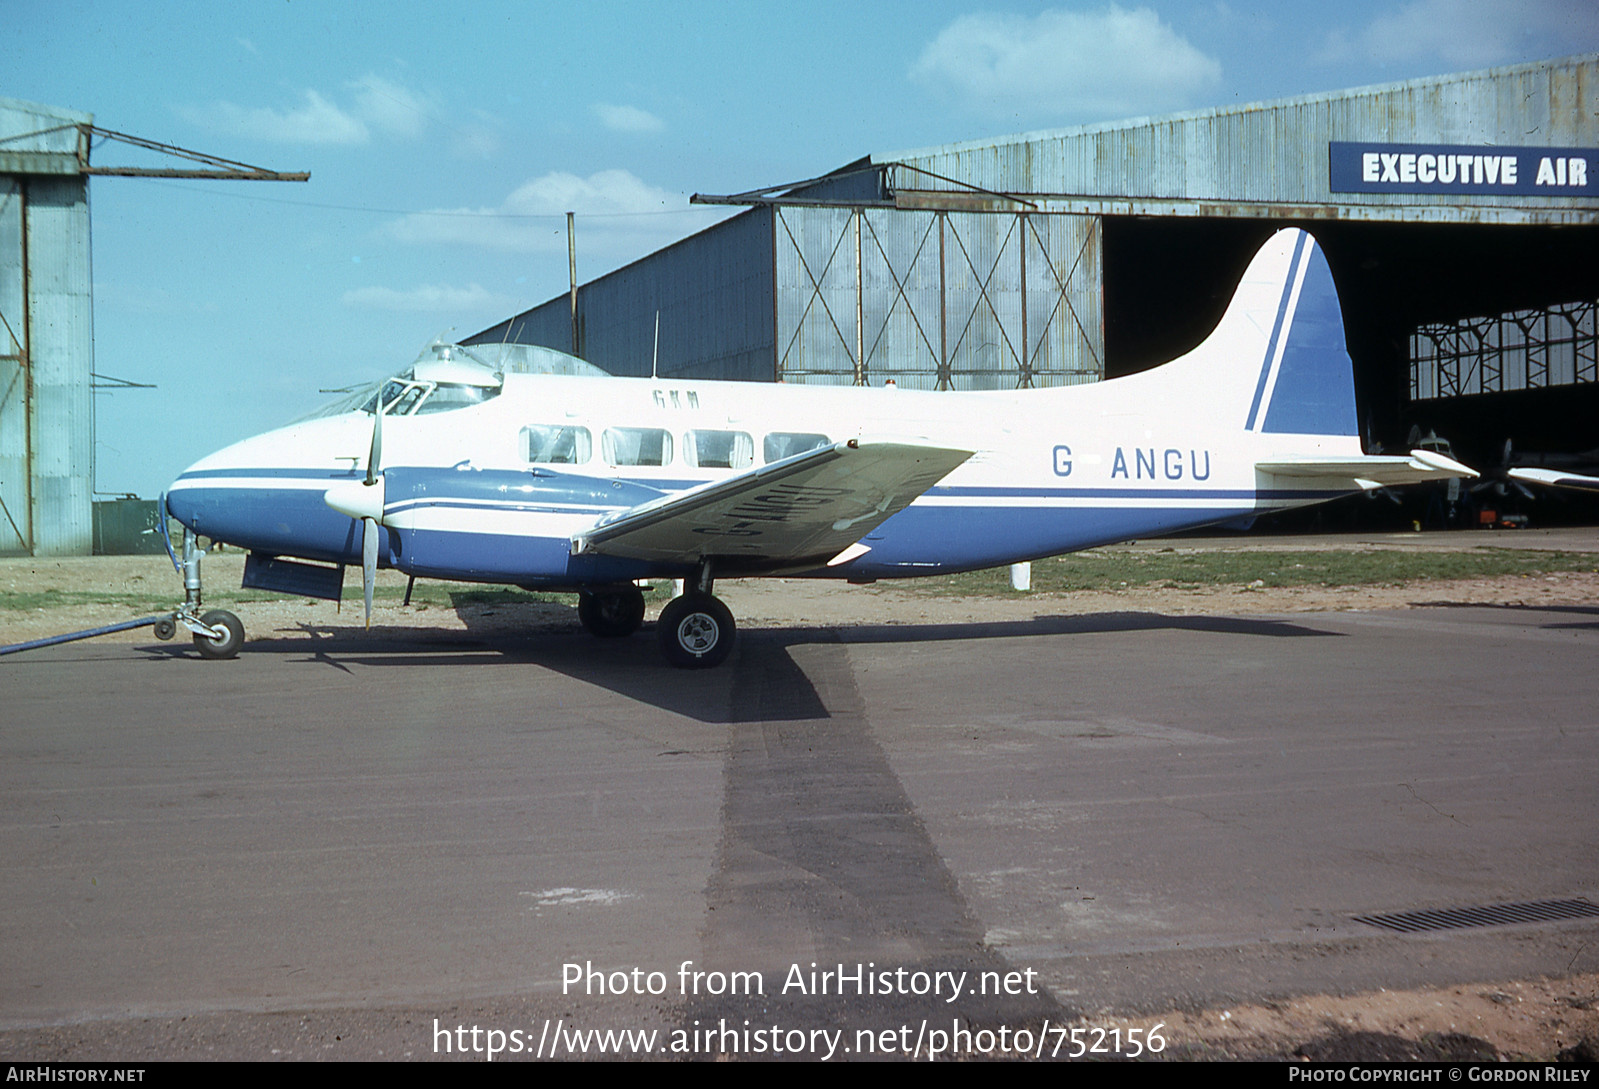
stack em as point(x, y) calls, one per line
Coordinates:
point(1529, 1019)
point(756, 603)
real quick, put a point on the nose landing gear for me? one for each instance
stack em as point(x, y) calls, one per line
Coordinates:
point(218, 634)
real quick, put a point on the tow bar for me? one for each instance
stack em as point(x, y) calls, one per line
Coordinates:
point(217, 634)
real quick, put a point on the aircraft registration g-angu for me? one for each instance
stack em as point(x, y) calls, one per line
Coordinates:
point(578, 484)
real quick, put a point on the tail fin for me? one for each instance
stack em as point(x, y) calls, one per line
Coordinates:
point(1276, 363)
point(1306, 383)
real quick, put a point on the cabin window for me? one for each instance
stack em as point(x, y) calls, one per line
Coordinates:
point(718, 449)
point(785, 444)
point(636, 446)
point(552, 444)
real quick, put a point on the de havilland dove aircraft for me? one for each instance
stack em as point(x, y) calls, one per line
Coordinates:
point(589, 485)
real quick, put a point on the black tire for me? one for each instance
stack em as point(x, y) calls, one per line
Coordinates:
point(696, 632)
point(165, 628)
point(611, 614)
point(233, 637)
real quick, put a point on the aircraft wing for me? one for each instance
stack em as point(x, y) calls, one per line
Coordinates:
point(1367, 472)
point(1556, 479)
point(804, 509)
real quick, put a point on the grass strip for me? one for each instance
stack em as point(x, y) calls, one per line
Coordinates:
point(1108, 569)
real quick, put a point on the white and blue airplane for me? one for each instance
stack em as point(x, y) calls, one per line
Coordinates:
point(457, 471)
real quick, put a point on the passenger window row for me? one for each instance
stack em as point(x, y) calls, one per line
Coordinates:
point(565, 444)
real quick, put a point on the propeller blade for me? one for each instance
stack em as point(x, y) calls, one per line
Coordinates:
point(369, 563)
point(374, 456)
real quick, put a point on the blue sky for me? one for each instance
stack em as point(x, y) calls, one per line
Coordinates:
point(447, 141)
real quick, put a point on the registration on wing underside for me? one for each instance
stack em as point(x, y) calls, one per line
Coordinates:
point(806, 507)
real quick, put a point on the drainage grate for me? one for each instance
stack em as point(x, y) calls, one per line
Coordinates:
point(1539, 911)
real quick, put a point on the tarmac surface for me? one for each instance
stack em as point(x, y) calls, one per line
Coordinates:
point(321, 847)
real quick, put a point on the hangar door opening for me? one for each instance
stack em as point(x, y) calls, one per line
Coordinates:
point(937, 299)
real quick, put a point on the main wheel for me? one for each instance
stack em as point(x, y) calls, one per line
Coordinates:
point(696, 631)
point(611, 614)
point(232, 635)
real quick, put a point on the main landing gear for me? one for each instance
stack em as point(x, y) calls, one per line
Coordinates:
point(696, 631)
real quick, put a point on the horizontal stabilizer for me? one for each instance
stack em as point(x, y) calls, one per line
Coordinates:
point(1367, 472)
point(803, 509)
point(1555, 479)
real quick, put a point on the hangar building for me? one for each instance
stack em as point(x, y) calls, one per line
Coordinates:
point(1460, 215)
point(46, 333)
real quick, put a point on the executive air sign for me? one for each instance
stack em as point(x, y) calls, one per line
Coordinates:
point(1464, 169)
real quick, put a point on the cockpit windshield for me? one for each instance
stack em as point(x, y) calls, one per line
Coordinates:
point(433, 385)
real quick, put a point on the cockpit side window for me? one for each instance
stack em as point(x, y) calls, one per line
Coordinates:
point(554, 444)
point(449, 395)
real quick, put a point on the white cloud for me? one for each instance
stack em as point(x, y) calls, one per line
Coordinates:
point(378, 104)
point(431, 298)
point(1470, 33)
point(627, 118)
point(1084, 65)
point(617, 212)
point(314, 121)
point(389, 107)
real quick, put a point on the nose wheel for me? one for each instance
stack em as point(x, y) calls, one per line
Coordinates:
point(696, 631)
point(217, 634)
point(228, 635)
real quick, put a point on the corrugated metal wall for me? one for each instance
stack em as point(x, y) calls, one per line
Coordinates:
point(16, 503)
point(61, 358)
point(1277, 152)
point(712, 290)
point(46, 335)
point(938, 300)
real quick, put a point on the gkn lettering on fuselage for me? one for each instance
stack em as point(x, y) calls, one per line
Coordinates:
point(1146, 463)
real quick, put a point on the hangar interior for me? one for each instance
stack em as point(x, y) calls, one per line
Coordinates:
point(1067, 256)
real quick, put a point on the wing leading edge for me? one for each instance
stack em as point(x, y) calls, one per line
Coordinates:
point(803, 510)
